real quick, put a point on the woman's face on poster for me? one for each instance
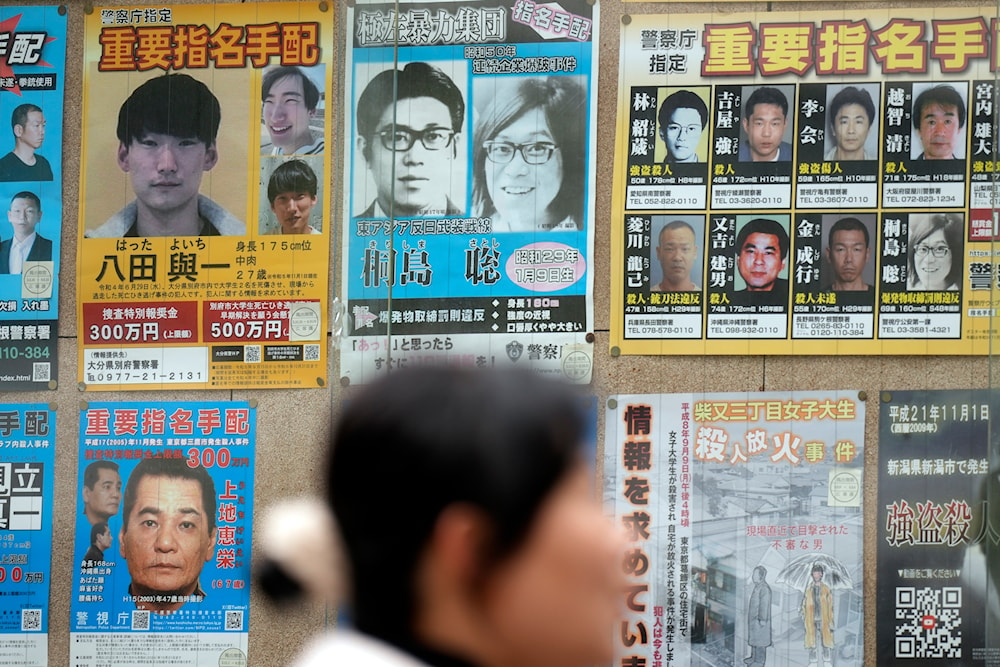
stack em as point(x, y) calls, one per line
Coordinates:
point(523, 188)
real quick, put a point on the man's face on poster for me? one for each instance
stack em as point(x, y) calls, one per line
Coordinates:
point(765, 127)
point(676, 253)
point(166, 540)
point(848, 254)
point(415, 179)
point(165, 170)
point(939, 125)
point(32, 133)
point(682, 134)
point(23, 216)
point(103, 500)
point(286, 116)
point(760, 261)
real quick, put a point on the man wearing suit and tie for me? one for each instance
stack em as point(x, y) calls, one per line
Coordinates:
point(27, 245)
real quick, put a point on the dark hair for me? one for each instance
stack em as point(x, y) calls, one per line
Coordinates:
point(851, 95)
point(923, 226)
point(766, 95)
point(675, 224)
point(682, 99)
point(310, 92)
point(20, 115)
point(564, 102)
point(173, 469)
point(93, 472)
point(414, 80)
point(26, 194)
point(174, 104)
point(943, 95)
point(846, 225)
point(97, 529)
point(817, 567)
point(291, 176)
point(498, 441)
point(763, 226)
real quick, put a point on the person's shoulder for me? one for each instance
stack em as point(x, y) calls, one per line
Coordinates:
point(225, 222)
point(115, 226)
point(344, 647)
point(10, 166)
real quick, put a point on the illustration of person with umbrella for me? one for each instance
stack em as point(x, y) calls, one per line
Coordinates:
point(816, 575)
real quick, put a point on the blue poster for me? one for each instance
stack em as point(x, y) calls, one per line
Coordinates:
point(27, 459)
point(32, 69)
point(469, 190)
point(162, 544)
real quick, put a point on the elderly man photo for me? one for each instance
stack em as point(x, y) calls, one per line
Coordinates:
point(938, 117)
point(102, 491)
point(409, 121)
point(168, 532)
point(24, 163)
point(26, 245)
point(167, 131)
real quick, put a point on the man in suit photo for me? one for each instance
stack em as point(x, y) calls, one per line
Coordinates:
point(27, 245)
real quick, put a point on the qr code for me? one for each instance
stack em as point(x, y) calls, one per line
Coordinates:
point(140, 619)
point(41, 371)
point(928, 622)
point(31, 620)
point(310, 352)
point(251, 354)
point(234, 620)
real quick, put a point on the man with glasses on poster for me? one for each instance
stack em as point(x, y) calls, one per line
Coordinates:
point(408, 136)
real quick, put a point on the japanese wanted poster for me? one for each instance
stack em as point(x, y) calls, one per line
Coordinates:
point(162, 545)
point(938, 586)
point(743, 515)
point(469, 200)
point(27, 461)
point(806, 183)
point(203, 257)
point(32, 70)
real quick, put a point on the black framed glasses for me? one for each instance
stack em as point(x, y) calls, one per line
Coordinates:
point(938, 251)
point(535, 152)
point(403, 138)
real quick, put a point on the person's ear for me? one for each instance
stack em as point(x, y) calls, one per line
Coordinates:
point(461, 540)
point(121, 542)
point(454, 145)
point(18, 130)
point(122, 157)
point(211, 157)
point(361, 145)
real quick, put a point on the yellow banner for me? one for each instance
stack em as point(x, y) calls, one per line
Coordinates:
point(806, 183)
point(204, 243)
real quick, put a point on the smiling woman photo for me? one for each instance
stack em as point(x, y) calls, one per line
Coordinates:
point(934, 257)
point(528, 158)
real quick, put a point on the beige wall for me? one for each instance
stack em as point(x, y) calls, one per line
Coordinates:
point(292, 425)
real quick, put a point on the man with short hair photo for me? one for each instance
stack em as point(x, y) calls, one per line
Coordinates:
point(167, 131)
point(26, 245)
point(765, 116)
point(409, 121)
point(24, 163)
point(168, 532)
point(938, 116)
point(291, 192)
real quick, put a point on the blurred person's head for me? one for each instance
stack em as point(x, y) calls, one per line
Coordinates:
point(935, 251)
point(497, 552)
point(682, 119)
point(528, 158)
point(851, 115)
point(939, 114)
